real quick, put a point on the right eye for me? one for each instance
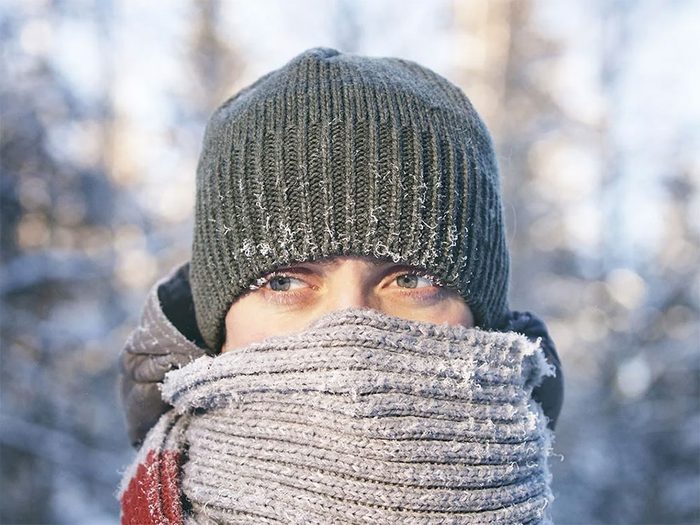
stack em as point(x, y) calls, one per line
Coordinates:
point(283, 283)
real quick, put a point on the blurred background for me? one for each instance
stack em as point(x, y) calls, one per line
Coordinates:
point(595, 109)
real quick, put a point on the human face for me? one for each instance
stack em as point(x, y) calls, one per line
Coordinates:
point(289, 299)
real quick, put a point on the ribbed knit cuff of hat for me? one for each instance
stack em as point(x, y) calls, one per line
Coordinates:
point(336, 154)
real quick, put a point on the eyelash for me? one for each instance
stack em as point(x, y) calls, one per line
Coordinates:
point(434, 281)
point(272, 296)
point(263, 281)
point(422, 294)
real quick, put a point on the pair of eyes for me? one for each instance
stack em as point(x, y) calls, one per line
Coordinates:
point(281, 282)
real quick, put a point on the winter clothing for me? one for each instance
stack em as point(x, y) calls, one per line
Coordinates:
point(361, 418)
point(336, 154)
point(166, 338)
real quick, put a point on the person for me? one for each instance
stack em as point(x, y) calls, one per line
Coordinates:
point(340, 346)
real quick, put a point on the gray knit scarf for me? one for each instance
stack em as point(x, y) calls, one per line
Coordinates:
point(365, 418)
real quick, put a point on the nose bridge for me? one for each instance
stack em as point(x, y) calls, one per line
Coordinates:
point(349, 294)
point(349, 287)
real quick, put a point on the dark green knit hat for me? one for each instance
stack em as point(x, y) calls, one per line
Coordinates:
point(338, 154)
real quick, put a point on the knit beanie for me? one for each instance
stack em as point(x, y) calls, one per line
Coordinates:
point(343, 155)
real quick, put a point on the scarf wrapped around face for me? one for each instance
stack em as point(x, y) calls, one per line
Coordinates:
point(361, 418)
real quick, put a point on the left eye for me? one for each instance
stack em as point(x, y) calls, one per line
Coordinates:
point(412, 280)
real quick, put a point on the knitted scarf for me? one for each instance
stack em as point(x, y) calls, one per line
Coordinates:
point(361, 418)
